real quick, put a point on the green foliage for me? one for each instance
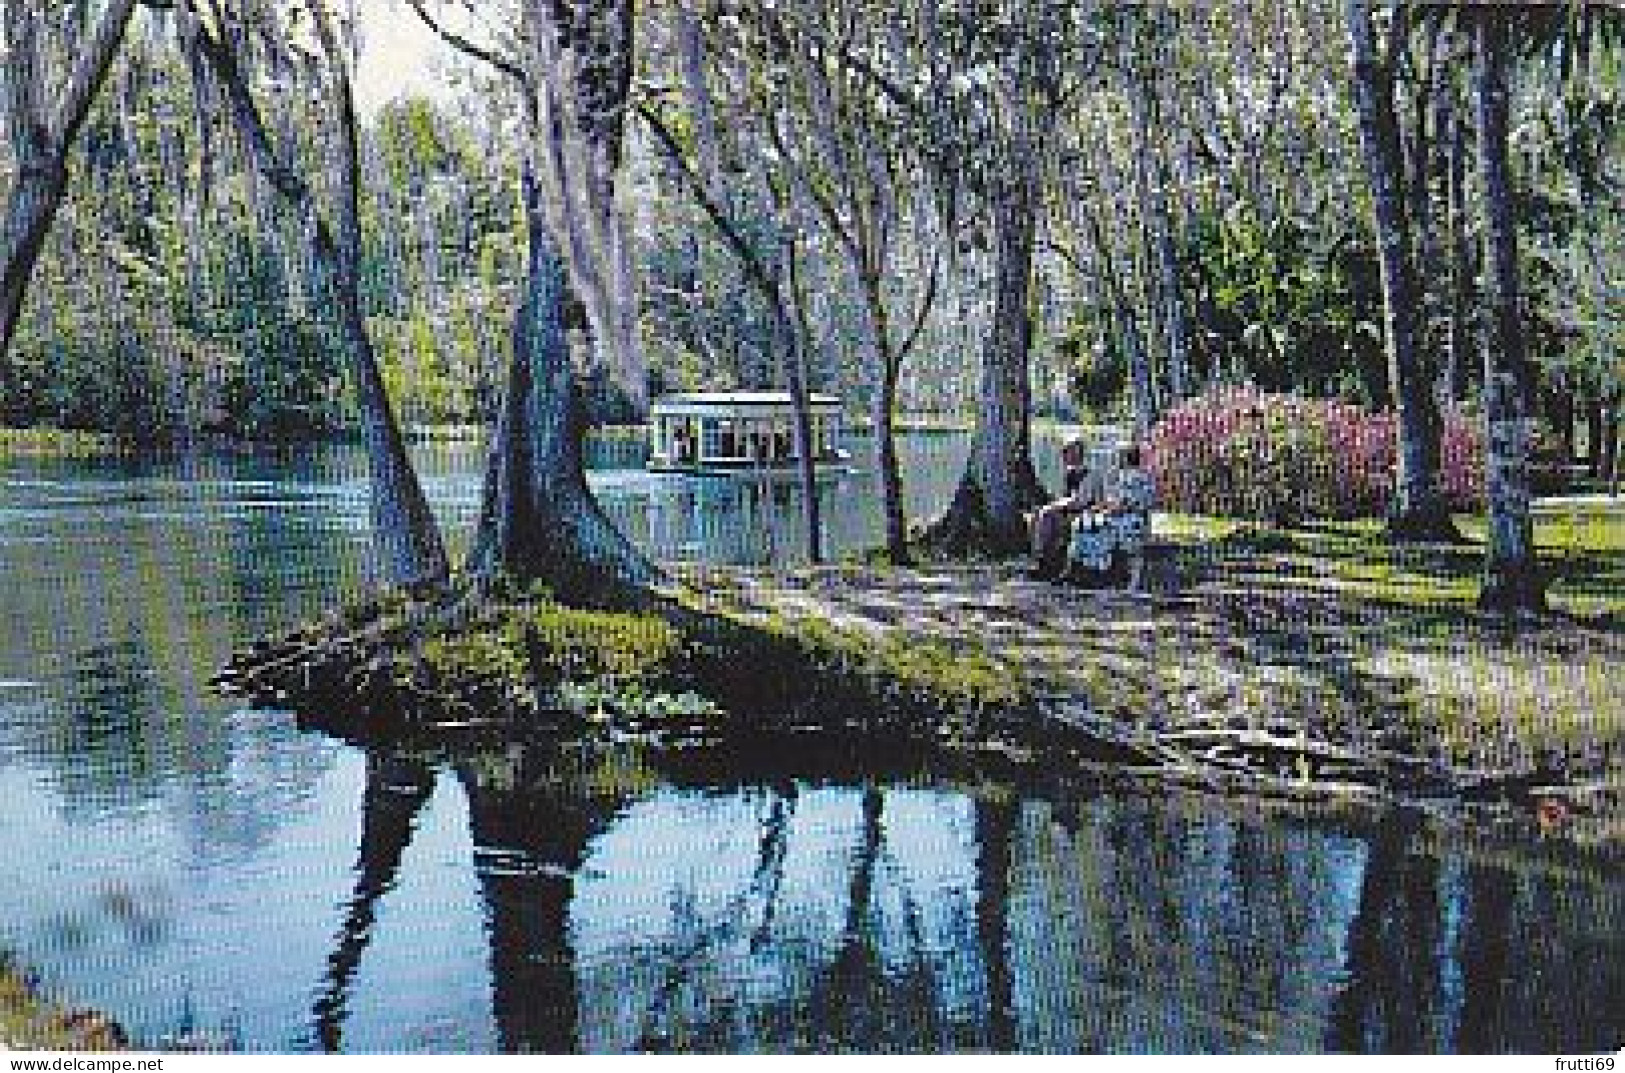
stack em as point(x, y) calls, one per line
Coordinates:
point(540, 655)
point(615, 647)
point(55, 443)
point(1286, 304)
point(641, 668)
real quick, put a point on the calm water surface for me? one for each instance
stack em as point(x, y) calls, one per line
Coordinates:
point(208, 872)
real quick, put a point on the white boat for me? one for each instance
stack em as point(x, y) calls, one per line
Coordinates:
point(739, 432)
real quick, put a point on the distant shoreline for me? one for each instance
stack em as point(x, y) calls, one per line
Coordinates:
point(43, 442)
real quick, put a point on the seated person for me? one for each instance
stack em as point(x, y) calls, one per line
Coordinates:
point(1118, 534)
point(1052, 524)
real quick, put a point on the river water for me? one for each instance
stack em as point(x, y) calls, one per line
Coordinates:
point(219, 876)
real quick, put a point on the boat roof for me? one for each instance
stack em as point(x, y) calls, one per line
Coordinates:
point(731, 399)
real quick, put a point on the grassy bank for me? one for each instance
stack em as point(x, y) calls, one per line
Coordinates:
point(1315, 662)
point(1472, 686)
point(56, 443)
point(691, 669)
point(30, 1022)
point(1318, 660)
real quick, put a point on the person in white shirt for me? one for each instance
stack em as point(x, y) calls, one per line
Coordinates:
point(1052, 525)
point(1121, 528)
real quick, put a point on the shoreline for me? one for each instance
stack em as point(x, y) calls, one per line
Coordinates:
point(31, 1021)
point(1310, 665)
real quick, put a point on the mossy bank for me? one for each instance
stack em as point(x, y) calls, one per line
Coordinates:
point(31, 1021)
point(1313, 663)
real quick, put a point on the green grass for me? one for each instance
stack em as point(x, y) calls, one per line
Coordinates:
point(1582, 546)
point(28, 1021)
point(1402, 618)
point(55, 443)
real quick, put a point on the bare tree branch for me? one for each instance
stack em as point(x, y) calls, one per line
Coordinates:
point(512, 68)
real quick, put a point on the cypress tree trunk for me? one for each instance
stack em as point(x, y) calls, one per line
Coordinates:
point(42, 180)
point(1000, 483)
point(405, 535)
point(40, 145)
point(1512, 577)
point(538, 519)
point(1459, 352)
point(1419, 511)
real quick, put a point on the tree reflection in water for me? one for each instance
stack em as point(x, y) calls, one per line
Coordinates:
point(398, 785)
point(820, 914)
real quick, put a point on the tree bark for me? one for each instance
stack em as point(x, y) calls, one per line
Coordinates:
point(1512, 577)
point(580, 74)
point(539, 521)
point(40, 147)
point(405, 535)
point(1151, 181)
point(1000, 483)
point(1460, 345)
point(1419, 511)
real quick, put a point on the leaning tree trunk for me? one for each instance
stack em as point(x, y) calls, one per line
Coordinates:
point(405, 535)
point(42, 181)
point(1419, 511)
point(1512, 578)
point(1000, 483)
point(40, 147)
point(404, 526)
point(539, 521)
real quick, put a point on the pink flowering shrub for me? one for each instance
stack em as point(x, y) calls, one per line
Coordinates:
point(1283, 459)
